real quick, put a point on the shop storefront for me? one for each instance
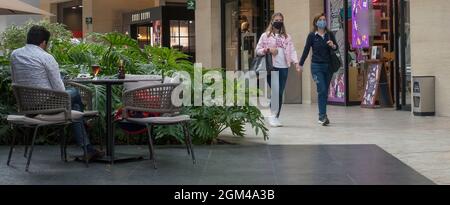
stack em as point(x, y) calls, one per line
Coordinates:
point(166, 26)
point(243, 22)
point(70, 13)
point(367, 33)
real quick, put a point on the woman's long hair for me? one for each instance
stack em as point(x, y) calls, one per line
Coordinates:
point(270, 28)
point(316, 19)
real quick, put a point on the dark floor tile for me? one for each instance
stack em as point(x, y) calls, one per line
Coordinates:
point(315, 179)
point(238, 179)
point(240, 165)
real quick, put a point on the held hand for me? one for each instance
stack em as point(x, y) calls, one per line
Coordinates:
point(331, 44)
point(274, 51)
point(299, 68)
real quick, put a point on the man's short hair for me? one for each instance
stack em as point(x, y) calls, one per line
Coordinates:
point(37, 35)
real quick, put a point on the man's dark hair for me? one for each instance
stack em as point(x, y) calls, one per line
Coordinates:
point(37, 35)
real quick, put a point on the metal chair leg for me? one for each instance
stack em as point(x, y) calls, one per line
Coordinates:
point(190, 143)
point(150, 144)
point(101, 139)
point(85, 152)
point(113, 155)
point(61, 142)
point(66, 141)
point(26, 141)
point(32, 147)
point(13, 143)
point(186, 138)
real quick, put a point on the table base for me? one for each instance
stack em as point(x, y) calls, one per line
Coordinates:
point(118, 158)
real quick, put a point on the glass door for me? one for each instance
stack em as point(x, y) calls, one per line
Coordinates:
point(144, 34)
point(231, 34)
point(243, 22)
point(404, 55)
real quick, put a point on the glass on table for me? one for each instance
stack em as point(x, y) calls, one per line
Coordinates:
point(96, 70)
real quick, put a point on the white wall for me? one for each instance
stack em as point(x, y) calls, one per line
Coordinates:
point(430, 49)
point(299, 15)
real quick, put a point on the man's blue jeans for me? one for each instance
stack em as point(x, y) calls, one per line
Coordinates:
point(78, 128)
point(322, 77)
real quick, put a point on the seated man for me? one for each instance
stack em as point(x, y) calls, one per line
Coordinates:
point(33, 66)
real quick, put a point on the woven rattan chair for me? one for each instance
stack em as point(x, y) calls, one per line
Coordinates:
point(156, 99)
point(86, 97)
point(39, 108)
point(85, 92)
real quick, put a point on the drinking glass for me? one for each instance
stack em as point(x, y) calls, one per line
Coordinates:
point(96, 70)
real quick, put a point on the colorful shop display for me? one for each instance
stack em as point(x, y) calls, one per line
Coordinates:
point(359, 25)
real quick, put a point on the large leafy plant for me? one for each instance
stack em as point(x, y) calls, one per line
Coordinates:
point(15, 36)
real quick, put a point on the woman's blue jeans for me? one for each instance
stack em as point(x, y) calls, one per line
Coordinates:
point(78, 128)
point(277, 88)
point(322, 77)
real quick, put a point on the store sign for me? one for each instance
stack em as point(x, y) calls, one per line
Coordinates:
point(191, 4)
point(88, 20)
point(140, 16)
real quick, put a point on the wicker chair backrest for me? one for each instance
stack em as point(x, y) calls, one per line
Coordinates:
point(154, 99)
point(34, 101)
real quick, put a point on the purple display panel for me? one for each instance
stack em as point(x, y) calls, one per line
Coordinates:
point(360, 24)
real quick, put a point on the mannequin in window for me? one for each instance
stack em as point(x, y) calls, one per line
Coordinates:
point(248, 44)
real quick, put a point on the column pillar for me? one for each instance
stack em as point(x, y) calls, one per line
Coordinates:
point(208, 33)
point(299, 15)
point(430, 50)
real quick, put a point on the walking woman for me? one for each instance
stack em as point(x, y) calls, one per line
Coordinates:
point(321, 41)
point(277, 42)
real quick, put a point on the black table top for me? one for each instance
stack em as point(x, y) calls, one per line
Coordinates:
point(112, 81)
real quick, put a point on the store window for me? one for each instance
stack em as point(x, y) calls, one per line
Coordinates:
point(182, 36)
point(243, 22)
point(364, 31)
point(148, 34)
point(144, 34)
point(337, 24)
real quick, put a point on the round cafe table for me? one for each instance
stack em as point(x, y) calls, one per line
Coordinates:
point(110, 156)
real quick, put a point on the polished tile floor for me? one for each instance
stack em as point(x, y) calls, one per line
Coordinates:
point(223, 165)
point(423, 143)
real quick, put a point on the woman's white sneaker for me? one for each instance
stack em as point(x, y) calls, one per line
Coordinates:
point(275, 122)
point(278, 123)
point(272, 122)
